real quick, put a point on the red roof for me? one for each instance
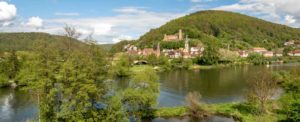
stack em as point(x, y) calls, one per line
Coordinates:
point(295, 51)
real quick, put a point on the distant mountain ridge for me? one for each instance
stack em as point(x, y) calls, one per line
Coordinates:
point(234, 29)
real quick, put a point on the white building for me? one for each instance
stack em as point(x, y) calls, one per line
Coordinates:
point(292, 42)
point(243, 54)
point(268, 54)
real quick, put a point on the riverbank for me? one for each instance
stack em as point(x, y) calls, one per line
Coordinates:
point(220, 88)
point(195, 67)
point(285, 108)
point(237, 111)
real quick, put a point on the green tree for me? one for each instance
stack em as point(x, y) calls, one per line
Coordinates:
point(256, 59)
point(261, 88)
point(211, 55)
point(9, 66)
point(121, 67)
point(153, 60)
point(293, 112)
point(70, 88)
point(187, 63)
point(164, 62)
point(287, 49)
point(3, 80)
point(141, 96)
point(227, 55)
point(13, 65)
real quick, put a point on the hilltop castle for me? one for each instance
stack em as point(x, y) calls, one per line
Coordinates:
point(175, 37)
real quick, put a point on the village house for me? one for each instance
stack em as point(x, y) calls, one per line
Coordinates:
point(278, 52)
point(291, 42)
point(176, 37)
point(294, 53)
point(130, 47)
point(166, 52)
point(147, 51)
point(171, 53)
point(268, 54)
point(196, 51)
point(243, 53)
point(176, 54)
point(185, 54)
point(133, 52)
point(259, 50)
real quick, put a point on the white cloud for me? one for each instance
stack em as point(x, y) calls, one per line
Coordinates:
point(7, 11)
point(131, 10)
point(66, 14)
point(6, 24)
point(128, 23)
point(290, 19)
point(35, 22)
point(278, 11)
point(121, 37)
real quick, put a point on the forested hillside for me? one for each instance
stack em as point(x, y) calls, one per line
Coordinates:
point(240, 31)
point(25, 41)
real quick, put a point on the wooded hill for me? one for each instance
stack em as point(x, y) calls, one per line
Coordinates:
point(25, 41)
point(238, 30)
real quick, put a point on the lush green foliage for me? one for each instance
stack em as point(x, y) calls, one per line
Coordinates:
point(170, 111)
point(141, 96)
point(227, 55)
point(69, 84)
point(172, 45)
point(25, 41)
point(121, 66)
point(9, 68)
point(210, 55)
point(237, 30)
point(3, 80)
point(256, 59)
point(290, 100)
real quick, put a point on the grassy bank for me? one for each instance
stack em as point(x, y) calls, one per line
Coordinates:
point(237, 111)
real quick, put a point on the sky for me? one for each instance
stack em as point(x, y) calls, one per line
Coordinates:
point(110, 21)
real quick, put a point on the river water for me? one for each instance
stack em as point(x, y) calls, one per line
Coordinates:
point(219, 85)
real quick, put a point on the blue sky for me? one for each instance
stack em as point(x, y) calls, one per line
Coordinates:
point(47, 8)
point(113, 20)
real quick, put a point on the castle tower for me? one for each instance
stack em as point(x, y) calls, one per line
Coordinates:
point(180, 35)
point(186, 45)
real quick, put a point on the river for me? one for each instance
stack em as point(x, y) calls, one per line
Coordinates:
point(218, 85)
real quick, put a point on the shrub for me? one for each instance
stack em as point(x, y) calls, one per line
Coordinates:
point(256, 59)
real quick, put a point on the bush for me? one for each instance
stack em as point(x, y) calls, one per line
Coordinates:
point(210, 56)
point(4, 81)
point(293, 112)
point(187, 63)
point(256, 59)
point(247, 108)
point(194, 107)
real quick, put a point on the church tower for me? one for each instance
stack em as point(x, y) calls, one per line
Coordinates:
point(186, 45)
point(158, 50)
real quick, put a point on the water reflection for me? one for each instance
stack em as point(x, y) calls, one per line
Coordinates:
point(215, 85)
point(16, 106)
